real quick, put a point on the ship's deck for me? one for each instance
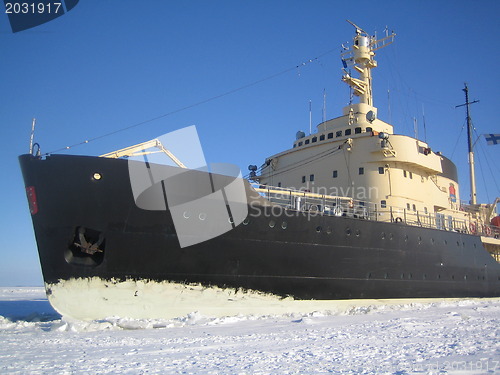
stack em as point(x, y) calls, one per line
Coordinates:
point(324, 204)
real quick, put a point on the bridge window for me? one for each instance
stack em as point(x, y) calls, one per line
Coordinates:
point(361, 170)
point(335, 174)
point(369, 129)
point(330, 135)
point(311, 177)
point(339, 133)
point(314, 139)
point(303, 179)
point(381, 170)
point(383, 204)
point(357, 130)
point(306, 141)
point(348, 131)
point(322, 137)
point(300, 144)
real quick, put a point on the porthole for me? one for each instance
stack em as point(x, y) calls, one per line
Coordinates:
point(230, 220)
point(246, 221)
point(348, 231)
point(318, 229)
point(445, 242)
point(186, 214)
point(419, 240)
point(272, 223)
point(386, 275)
point(202, 216)
point(432, 241)
point(382, 235)
point(328, 230)
point(391, 236)
point(97, 176)
point(357, 233)
point(406, 238)
point(284, 225)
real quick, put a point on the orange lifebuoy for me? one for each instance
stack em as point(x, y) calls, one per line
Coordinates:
point(487, 230)
point(472, 228)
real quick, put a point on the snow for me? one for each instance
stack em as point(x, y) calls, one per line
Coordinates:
point(425, 337)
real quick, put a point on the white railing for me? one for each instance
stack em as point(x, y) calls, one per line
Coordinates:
point(305, 201)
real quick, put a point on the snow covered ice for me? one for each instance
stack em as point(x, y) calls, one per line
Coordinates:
point(404, 337)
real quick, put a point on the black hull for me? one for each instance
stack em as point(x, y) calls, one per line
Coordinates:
point(308, 257)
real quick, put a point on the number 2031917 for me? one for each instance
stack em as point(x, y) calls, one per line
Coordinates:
point(33, 8)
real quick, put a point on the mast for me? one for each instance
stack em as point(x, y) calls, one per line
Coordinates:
point(360, 56)
point(33, 123)
point(470, 144)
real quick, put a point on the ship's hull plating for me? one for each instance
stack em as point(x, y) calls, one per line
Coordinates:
point(273, 251)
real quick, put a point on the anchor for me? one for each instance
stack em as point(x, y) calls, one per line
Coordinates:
point(88, 247)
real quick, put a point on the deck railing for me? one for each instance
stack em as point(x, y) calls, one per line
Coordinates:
point(305, 201)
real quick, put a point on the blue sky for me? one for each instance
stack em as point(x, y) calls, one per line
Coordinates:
point(110, 64)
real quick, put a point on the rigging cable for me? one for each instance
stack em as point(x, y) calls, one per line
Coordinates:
point(485, 155)
point(197, 103)
point(458, 139)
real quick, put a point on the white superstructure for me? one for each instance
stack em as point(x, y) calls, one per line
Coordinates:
point(358, 155)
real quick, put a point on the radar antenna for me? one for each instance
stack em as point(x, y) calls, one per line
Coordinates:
point(359, 30)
